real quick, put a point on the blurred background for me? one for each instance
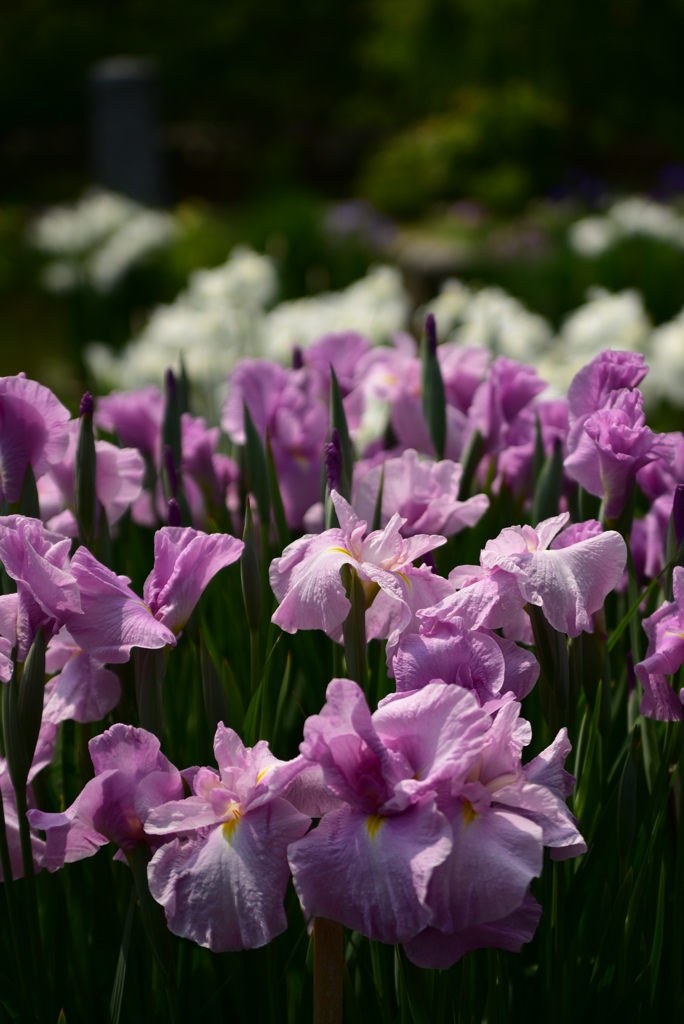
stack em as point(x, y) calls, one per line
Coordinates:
point(530, 155)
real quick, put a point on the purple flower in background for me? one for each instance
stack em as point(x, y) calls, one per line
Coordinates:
point(369, 863)
point(119, 474)
point(33, 431)
point(568, 583)
point(660, 477)
point(342, 350)
point(306, 578)
point(592, 386)
point(47, 594)
point(222, 882)
point(494, 669)
point(185, 560)
point(463, 367)
point(207, 473)
point(507, 389)
point(114, 618)
point(514, 463)
point(665, 654)
point(131, 777)
point(501, 815)
point(614, 445)
point(423, 492)
point(286, 402)
point(135, 417)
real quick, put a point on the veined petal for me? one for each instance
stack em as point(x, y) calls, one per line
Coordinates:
point(370, 873)
point(226, 890)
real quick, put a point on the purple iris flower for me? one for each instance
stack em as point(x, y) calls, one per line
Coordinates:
point(222, 876)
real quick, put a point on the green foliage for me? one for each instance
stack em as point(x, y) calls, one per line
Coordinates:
point(484, 147)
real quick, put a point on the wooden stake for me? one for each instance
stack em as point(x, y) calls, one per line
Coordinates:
point(328, 968)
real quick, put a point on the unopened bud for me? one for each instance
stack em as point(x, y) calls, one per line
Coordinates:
point(174, 513)
point(297, 358)
point(678, 515)
point(431, 333)
point(333, 461)
point(86, 406)
point(171, 471)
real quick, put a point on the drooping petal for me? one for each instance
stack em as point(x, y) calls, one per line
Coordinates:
point(185, 560)
point(571, 583)
point(85, 691)
point(226, 890)
point(439, 950)
point(33, 431)
point(453, 654)
point(495, 856)
point(114, 619)
point(371, 873)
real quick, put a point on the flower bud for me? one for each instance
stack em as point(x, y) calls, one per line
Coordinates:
point(174, 513)
point(297, 358)
point(22, 712)
point(171, 432)
point(85, 470)
point(678, 515)
point(333, 461)
point(170, 470)
point(432, 387)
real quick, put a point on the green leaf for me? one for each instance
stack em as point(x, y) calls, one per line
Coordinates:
point(28, 504)
point(85, 465)
point(434, 399)
point(338, 418)
point(120, 976)
point(236, 708)
point(150, 667)
point(276, 499)
point(257, 471)
point(249, 728)
point(215, 700)
point(634, 608)
point(549, 486)
point(470, 460)
point(626, 814)
point(412, 978)
point(31, 692)
point(282, 695)
point(354, 627)
point(657, 946)
point(250, 572)
point(377, 514)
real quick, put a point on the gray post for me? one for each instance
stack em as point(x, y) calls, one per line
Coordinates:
point(124, 128)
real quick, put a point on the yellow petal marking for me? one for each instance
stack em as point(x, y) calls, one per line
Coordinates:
point(374, 823)
point(469, 814)
point(229, 826)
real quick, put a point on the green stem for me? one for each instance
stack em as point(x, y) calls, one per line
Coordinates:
point(31, 894)
point(11, 897)
point(254, 659)
point(677, 964)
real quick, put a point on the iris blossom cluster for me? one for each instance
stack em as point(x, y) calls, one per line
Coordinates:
point(410, 812)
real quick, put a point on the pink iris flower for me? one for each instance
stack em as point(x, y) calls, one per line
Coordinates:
point(222, 876)
point(494, 669)
point(119, 474)
point(521, 566)
point(81, 687)
point(423, 492)
point(501, 817)
point(185, 560)
point(306, 578)
point(33, 431)
point(665, 654)
point(131, 777)
point(441, 828)
point(47, 594)
point(614, 445)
